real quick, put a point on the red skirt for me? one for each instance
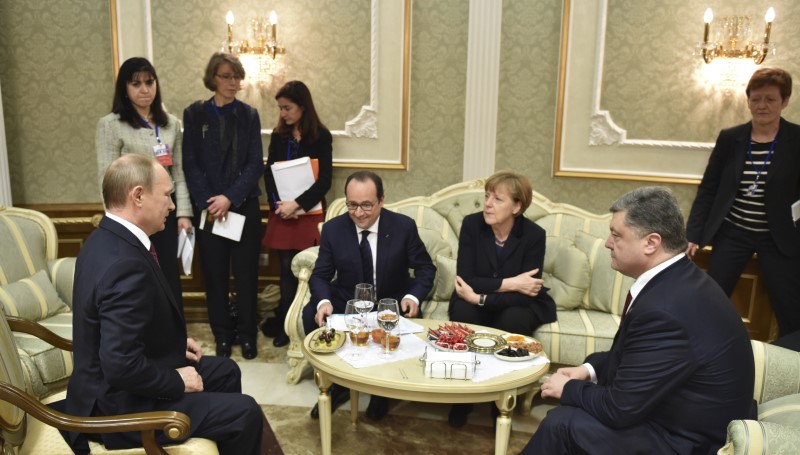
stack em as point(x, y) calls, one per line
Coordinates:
point(295, 234)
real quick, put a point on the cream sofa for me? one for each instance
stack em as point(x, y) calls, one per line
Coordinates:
point(588, 293)
point(36, 286)
point(777, 391)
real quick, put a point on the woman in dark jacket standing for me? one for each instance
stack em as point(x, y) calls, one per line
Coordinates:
point(223, 162)
point(298, 134)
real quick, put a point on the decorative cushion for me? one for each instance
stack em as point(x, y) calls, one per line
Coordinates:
point(434, 242)
point(33, 298)
point(445, 278)
point(48, 365)
point(608, 288)
point(566, 273)
point(576, 334)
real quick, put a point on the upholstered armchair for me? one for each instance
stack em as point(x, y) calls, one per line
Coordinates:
point(28, 426)
point(777, 391)
point(36, 286)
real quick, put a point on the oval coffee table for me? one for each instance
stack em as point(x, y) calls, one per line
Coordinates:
point(405, 380)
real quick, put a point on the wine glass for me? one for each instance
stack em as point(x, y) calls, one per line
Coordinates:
point(358, 333)
point(388, 317)
point(365, 299)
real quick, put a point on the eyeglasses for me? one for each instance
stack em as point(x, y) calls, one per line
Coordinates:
point(230, 77)
point(365, 206)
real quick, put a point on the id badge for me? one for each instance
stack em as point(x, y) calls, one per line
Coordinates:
point(751, 190)
point(163, 154)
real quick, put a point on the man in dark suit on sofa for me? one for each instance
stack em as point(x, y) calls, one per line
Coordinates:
point(131, 350)
point(680, 368)
point(394, 247)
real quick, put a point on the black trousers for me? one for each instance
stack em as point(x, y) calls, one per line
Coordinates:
point(733, 248)
point(571, 431)
point(513, 319)
point(166, 245)
point(221, 256)
point(220, 413)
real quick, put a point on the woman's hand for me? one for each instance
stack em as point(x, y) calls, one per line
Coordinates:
point(691, 250)
point(288, 210)
point(218, 206)
point(465, 292)
point(525, 283)
point(184, 224)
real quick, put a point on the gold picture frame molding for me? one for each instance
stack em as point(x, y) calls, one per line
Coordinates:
point(601, 120)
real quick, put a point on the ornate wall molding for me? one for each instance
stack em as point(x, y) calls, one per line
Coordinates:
point(606, 151)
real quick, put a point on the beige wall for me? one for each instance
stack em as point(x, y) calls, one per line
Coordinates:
point(58, 81)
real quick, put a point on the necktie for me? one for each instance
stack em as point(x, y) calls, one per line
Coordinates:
point(153, 253)
point(366, 257)
point(625, 308)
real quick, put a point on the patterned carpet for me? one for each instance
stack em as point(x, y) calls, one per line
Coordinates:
point(410, 428)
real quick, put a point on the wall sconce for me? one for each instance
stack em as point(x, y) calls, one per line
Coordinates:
point(263, 59)
point(734, 39)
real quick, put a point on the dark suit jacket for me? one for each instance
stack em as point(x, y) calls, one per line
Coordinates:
point(523, 251)
point(212, 169)
point(681, 363)
point(129, 335)
point(399, 249)
point(721, 182)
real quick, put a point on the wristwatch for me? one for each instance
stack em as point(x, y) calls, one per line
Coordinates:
point(482, 300)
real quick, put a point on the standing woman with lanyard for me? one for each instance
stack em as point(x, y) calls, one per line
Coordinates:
point(223, 162)
point(743, 204)
point(138, 124)
point(299, 133)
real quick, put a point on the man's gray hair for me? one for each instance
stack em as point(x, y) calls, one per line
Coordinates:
point(654, 209)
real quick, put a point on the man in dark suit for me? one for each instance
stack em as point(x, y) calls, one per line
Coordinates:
point(131, 351)
point(680, 368)
point(394, 248)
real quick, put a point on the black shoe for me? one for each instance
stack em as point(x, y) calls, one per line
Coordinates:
point(271, 327)
point(378, 407)
point(224, 349)
point(281, 340)
point(249, 350)
point(459, 414)
point(339, 396)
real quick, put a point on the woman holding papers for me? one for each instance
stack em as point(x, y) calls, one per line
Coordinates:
point(223, 162)
point(744, 202)
point(292, 224)
point(138, 124)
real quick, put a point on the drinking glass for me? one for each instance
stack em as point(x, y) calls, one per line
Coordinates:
point(388, 317)
point(358, 332)
point(365, 300)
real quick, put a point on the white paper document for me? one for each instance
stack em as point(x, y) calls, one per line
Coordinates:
point(230, 227)
point(796, 211)
point(186, 250)
point(293, 178)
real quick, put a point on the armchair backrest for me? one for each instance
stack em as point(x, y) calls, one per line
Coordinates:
point(12, 418)
point(28, 241)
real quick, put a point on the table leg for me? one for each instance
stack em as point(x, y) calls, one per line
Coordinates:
point(354, 406)
point(503, 432)
point(324, 405)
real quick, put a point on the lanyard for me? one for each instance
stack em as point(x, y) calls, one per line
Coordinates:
point(766, 160)
point(751, 190)
point(147, 124)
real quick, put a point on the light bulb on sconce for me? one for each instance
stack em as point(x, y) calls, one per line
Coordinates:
point(734, 32)
point(262, 59)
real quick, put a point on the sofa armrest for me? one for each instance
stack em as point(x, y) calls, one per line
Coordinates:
point(751, 436)
point(62, 274)
point(776, 371)
point(302, 266)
